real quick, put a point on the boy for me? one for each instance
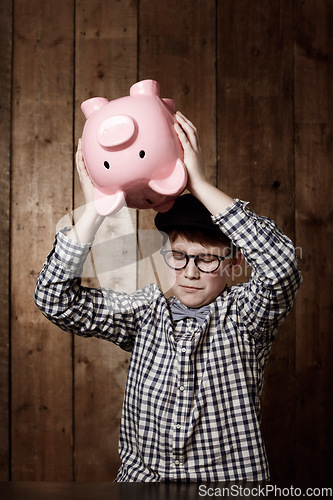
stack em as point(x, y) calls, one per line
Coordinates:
point(192, 402)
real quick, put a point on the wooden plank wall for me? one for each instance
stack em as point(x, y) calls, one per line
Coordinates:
point(5, 120)
point(256, 164)
point(41, 192)
point(106, 54)
point(255, 77)
point(313, 73)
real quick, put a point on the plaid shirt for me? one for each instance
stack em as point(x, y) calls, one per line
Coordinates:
point(191, 409)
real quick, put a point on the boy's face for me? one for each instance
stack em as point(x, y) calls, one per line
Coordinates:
point(191, 286)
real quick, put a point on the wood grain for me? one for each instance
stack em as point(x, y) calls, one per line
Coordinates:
point(5, 141)
point(257, 84)
point(255, 149)
point(314, 226)
point(41, 379)
point(106, 65)
point(177, 48)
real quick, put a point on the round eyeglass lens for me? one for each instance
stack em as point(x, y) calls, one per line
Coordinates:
point(207, 263)
point(176, 260)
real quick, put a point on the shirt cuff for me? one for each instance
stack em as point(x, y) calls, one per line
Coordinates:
point(235, 216)
point(68, 252)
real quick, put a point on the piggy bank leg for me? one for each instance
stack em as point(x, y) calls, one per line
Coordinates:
point(172, 185)
point(107, 204)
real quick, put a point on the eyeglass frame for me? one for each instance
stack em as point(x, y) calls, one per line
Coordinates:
point(187, 257)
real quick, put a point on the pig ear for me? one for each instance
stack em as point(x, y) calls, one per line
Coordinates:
point(116, 130)
point(92, 105)
point(170, 102)
point(107, 204)
point(172, 185)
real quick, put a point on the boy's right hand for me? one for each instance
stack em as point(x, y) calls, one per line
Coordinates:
point(89, 221)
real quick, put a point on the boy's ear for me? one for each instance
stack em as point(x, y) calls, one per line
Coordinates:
point(237, 259)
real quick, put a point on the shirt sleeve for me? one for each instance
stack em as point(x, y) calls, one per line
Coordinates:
point(86, 311)
point(265, 300)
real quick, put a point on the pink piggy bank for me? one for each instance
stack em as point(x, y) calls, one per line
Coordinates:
point(131, 150)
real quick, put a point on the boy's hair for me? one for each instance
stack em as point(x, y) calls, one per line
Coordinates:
point(196, 236)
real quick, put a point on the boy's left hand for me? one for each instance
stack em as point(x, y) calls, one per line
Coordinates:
point(193, 157)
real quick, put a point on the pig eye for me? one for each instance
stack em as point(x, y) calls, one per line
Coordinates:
point(107, 165)
point(142, 154)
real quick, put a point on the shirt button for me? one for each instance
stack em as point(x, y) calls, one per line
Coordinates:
point(184, 349)
point(181, 388)
point(177, 462)
point(178, 426)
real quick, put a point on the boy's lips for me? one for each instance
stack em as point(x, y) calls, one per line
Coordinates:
point(189, 288)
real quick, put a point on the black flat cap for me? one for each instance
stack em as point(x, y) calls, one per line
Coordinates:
point(187, 212)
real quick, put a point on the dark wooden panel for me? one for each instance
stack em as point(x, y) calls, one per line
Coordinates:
point(255, 149)
point(177, 48)
point(253, 123)
point(5, 129)
point(314, 176)
point(106, 62)
point(41, 191)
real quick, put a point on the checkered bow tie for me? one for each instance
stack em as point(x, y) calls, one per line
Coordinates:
point(179, 311)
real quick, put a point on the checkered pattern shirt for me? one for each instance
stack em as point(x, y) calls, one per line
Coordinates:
point(191, 408)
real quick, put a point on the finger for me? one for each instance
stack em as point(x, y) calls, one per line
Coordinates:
point(79, 155)
point(77, 163)
point(187, 125)
point(187, 133)
point(80, 165)
point(183, 120)
point(184, 140)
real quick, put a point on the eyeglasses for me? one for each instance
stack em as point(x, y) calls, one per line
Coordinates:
point(205, 262)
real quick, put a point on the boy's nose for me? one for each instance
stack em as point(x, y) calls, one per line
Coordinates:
point(191, 270)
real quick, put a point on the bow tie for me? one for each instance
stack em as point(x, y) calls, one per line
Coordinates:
point(179, 311)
